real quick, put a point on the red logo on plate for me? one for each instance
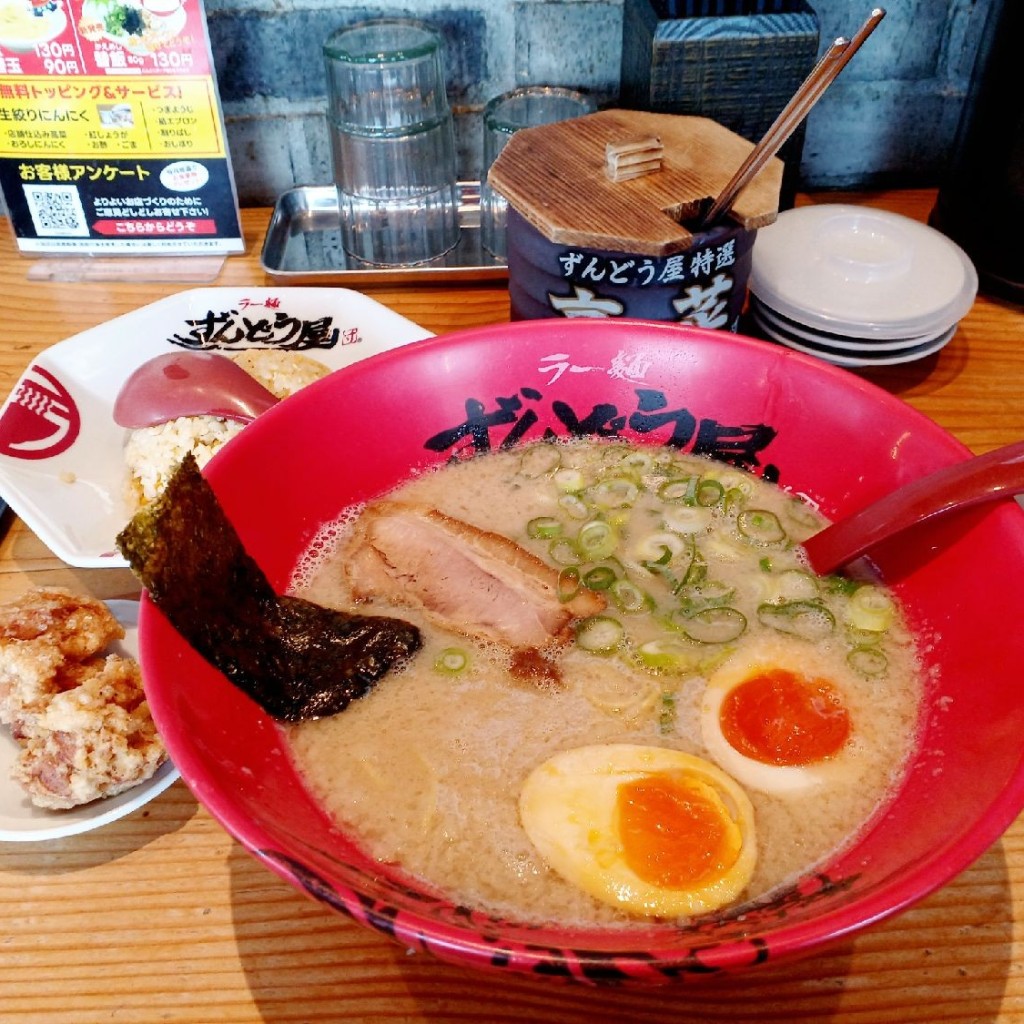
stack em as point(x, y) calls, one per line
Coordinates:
point(41, 419)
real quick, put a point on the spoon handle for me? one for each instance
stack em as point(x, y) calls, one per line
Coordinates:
point(997, 474)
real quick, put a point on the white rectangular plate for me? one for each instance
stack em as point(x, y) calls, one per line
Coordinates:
point(62, 466)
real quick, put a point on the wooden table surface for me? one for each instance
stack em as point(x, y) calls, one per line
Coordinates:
point(161, 916)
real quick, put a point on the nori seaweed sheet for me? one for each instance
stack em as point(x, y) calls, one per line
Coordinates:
point(296, 659)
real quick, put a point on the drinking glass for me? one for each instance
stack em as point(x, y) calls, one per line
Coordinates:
point(525, 107)
point(392, 142)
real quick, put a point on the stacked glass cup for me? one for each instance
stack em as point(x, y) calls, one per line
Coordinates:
point(392, 142)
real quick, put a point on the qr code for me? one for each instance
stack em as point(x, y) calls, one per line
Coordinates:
point(56, 210)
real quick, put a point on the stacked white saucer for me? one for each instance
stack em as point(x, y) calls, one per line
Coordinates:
point(857, 286)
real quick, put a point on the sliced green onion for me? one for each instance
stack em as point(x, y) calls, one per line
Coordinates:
point(714, 625)
point(726, 549)
point(796, 585)
point(569, 583)
point(734, 501)
point(802, 513)
point(574, 506)
point(601, 577)
point(612, 454)
point(839, 584)
point(706, 594)
point(617, 519)
point(615, 492)
point(760, 526)
point(696, 571)
point(868, 661)
point(735, 480)
point(709, 492)
point(806, 619)
point(678, 489)
point(599, 634)
point(539, 460)
point(628, 597)
point(621, 695)
point(870, 609)
point(687, 519)
point(666, 656)
point(543, 528)
point(661, 547)
point(596, 540)
point(667, 717)
point(572, 481)
point(636, 462)
point(563, 552)
point(451, 660)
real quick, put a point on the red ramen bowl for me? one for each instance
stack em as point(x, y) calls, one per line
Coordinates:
point(819, 431)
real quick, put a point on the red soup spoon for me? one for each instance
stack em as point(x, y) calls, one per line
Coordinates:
point(997, 474)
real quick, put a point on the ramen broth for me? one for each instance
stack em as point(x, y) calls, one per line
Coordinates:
point(426, 769)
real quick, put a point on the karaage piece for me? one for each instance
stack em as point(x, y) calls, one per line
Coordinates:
point(92, 741)
point(78, 626)
point(44, 632)
point(79, 714)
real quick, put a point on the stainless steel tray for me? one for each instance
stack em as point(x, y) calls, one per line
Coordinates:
point(303, 245)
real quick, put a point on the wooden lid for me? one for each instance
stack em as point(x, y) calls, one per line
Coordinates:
point(554, 176)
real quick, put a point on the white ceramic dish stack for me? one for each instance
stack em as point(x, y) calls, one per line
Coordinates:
point(857, 286)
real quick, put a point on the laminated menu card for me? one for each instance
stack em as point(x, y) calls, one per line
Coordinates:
point(111, 132)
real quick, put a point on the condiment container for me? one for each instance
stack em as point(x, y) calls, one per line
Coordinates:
point(603, 213)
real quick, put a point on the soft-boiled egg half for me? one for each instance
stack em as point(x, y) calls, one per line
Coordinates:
point(650, 830)
point(779, 719)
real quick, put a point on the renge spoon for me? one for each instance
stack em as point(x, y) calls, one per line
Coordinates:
point(189, 384)
point(997, 474)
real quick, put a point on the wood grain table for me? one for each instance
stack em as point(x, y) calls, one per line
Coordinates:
point(162, 917)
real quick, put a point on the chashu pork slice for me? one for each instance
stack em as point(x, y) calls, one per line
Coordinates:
point(477, 583)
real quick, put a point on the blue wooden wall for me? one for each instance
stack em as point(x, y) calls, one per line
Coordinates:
point(888, 120)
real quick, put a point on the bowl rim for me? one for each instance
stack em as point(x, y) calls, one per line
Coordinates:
point(463, 944)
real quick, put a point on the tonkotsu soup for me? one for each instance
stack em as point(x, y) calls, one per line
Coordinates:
point(633, 700)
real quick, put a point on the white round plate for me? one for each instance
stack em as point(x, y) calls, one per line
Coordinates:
point(848, 361)
point(837, 343)
point(21, 821)
point(859, 272)
point(62, 465)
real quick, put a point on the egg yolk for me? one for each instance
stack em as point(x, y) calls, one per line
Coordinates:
point(675, 833)
point(778, 717)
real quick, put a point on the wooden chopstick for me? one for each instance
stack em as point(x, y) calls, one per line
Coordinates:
point(824, 72)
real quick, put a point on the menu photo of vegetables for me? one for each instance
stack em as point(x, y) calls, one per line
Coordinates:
point(142, 26)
